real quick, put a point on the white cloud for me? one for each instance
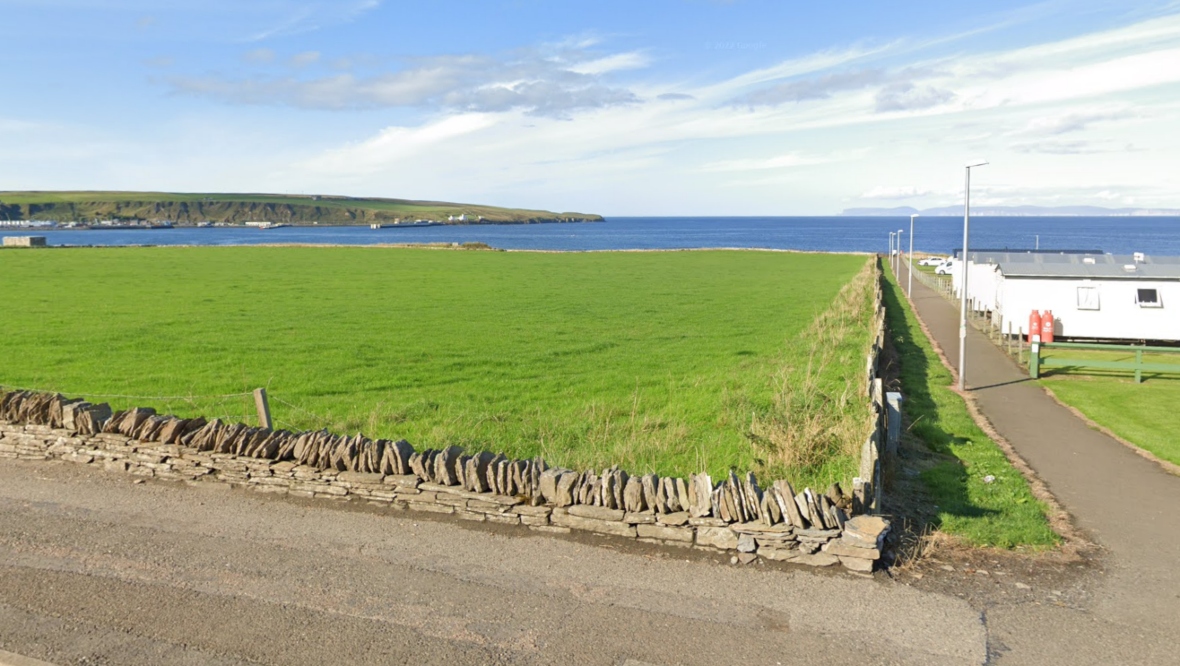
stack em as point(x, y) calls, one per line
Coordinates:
point(1075, 121)
point(780, 162)
point(529, 79)
point(910, 97)
point(393, 144)
point(895, 192)
point(303, 16)
point(14, 125)
point(305, 58)
point(612, 63)
point(259, 55)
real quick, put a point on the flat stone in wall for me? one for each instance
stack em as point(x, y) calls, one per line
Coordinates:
point(775, 523)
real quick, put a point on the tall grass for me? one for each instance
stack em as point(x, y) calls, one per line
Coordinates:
point(818, 417)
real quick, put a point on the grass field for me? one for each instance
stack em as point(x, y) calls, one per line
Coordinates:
point(1002, 513)
point(1144, 414)
point(654, 361)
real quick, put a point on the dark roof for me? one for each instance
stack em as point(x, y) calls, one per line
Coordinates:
point(1109, 266)
point(993, 250)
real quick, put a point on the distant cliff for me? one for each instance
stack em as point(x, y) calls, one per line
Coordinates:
point(241, 208)
point(1011, 211)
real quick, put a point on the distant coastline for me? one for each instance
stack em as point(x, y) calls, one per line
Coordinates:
point(1013, 211)
point(145, 209)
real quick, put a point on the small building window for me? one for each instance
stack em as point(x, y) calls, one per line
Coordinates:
point(1148, 298)
point(1087, 298)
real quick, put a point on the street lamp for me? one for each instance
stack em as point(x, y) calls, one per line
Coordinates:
point(910, 258)
point(963, 268)
point(892, 248)
point(897, 269)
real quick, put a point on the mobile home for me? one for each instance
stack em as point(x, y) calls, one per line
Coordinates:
point(1092, 296)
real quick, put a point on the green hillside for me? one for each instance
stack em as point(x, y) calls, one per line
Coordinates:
point(193, 208)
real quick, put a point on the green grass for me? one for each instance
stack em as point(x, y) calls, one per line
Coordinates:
point(1144, 414)
point(653, 361)
point(1003, 513)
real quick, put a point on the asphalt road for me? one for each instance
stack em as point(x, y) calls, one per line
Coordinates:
point(95, 569)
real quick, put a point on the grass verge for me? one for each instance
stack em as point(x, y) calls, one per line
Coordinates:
point(977, 494)
point(1143, 414)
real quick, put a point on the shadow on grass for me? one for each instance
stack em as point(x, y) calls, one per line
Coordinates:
point(944, 475)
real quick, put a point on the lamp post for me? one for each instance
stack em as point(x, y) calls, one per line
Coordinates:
point(963, 280)
point(910, 259)
point(897, 268)
point(893, 250)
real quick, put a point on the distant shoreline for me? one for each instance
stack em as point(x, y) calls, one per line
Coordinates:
point(1012, 211)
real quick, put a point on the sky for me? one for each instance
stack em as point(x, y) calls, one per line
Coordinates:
point(642, 107)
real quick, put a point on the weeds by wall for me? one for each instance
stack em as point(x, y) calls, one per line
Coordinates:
point(817, 424)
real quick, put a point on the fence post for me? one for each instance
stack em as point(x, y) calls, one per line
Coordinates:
point(263, 407)
point(1020, 345)
point(1138, 366)
point(893, 422)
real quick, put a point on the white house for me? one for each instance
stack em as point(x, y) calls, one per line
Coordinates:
point(1092, 296)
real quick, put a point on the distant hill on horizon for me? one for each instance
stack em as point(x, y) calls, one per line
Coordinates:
point(298, 209)
point(1012, 211)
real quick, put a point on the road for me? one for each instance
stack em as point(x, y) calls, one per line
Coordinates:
point(97, 569)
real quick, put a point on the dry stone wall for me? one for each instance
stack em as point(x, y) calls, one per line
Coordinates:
point(733, 514)
point(867, 486)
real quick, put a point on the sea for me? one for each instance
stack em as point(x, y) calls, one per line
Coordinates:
point(1118, 235)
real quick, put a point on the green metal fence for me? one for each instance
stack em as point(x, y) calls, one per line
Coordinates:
point(1039, 359)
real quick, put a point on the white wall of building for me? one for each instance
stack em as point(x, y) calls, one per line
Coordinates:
point(1117, 316)
point(983, 285)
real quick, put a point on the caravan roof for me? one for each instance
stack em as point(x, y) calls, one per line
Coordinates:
point(1108, 266)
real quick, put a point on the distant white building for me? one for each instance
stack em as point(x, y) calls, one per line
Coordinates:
point(1091, 295)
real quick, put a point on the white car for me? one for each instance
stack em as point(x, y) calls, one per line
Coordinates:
point(931, 261)
point(946, 268)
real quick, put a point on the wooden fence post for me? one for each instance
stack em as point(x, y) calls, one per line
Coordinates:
point(263, 407)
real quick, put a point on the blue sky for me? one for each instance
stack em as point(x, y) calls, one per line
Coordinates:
point(654, 107)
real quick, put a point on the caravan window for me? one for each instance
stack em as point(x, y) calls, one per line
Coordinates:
point(1087, 298)
point(1148, 298)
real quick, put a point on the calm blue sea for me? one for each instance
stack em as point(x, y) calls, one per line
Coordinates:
point(1153, 235)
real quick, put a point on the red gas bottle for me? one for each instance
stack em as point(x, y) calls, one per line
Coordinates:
point(1047, 326)
point(1034, 325)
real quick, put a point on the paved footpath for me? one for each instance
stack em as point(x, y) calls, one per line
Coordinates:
point(1127, 504)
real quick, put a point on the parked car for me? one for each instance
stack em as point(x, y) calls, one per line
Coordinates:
point(931, 261)
point(946, 268)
